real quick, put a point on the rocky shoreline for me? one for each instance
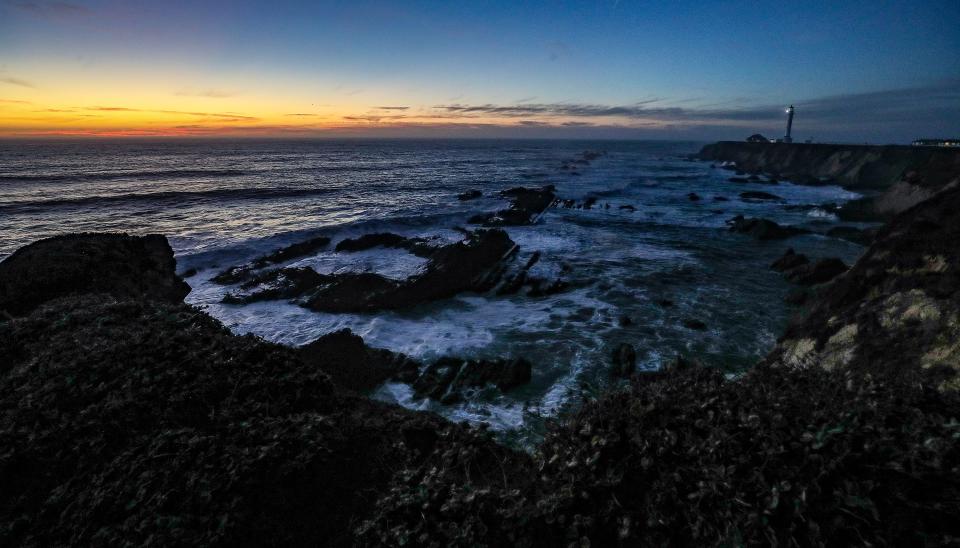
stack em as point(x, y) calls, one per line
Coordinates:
point(130, 418)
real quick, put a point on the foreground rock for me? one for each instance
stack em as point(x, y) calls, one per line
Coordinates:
point(119, 265)
point(763, 229)
point(897, 309)
point(141, 422)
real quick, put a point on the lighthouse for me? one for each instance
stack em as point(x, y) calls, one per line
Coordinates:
point(787, 138)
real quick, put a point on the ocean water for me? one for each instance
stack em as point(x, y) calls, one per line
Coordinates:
point(224, 202)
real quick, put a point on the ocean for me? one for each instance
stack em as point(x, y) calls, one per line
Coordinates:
point(668, 261)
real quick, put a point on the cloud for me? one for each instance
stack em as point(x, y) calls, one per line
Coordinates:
point(300, 114)
point(895, 106)
point(16, 82)
point(391, 108)
point(15, 101)
point(228, 116)
point(53, 9)
point(210, 93)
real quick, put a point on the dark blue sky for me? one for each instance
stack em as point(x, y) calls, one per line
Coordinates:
point(877, 71)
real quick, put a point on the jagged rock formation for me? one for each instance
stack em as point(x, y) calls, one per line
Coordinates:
point(763, 229)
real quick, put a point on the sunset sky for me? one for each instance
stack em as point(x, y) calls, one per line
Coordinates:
point(856, 71)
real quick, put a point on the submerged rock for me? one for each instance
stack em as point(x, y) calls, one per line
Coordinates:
point(819, 272)
point(125, 267)
point(695, 324)
point(757, 195)
point(623, 360)
point(790, 260)
point(445, 379)
point(763, 229)
point(469, 195)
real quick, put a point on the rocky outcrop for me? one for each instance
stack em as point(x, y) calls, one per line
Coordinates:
point(446, 379)
point(125, 267)
point(469, 195)
point(239, 273)
point(526, 204)
point(763, 229)
point(898, 308)
point(352, 364)
point(469, 265)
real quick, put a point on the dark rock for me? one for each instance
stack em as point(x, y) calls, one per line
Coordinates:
point(283, 283)
point(189, 273)
point(418, 246)
point(797, 297)
point(542, 288)
point(819, 272)
point(445, 379)
point(665, 303)
point(239, 273)
point(693, 323)
point(623, 360)
point(721, 199)
point(789, 261)
point(628, 207)
point(125, 267)
point(469, 195)
point(353, 365)
point(458, 267)
point(738, 180)
point(757, 195)
point(693, 197)
point(625, 321)
point(852, 234)
point(763, 229)
point(525, 205)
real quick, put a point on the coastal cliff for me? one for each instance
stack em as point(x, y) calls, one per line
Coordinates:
point(130, 418)
point(893, 177)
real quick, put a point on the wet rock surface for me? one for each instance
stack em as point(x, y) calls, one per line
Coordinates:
point(116, 264)
point(469, 195)
point(525, 205)
point(240, 273)
point(446, 379)
point(420, 247)
point(763, 229)
point(758, 196)
point(818, 272)
point(623, 360)
point(473, 264)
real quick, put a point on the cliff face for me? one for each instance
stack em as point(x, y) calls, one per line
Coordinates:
point(897, 310)
point(903, 176)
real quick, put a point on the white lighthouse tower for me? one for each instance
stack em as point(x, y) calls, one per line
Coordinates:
point(787, 138)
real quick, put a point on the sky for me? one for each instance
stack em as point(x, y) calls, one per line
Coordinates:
point(875, 71)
